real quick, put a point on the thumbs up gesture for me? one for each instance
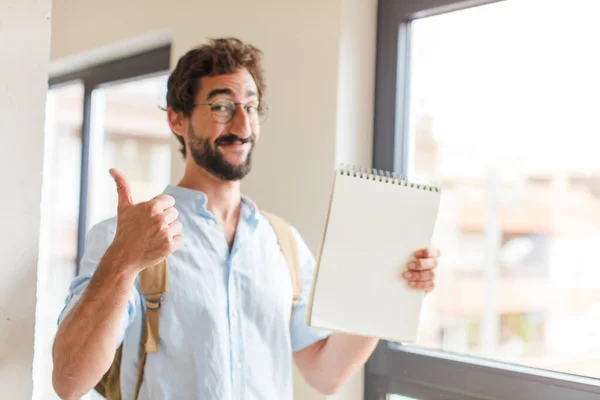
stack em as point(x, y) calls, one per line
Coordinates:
point(147, 232)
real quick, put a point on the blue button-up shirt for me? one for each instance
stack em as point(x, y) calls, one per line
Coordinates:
point(225, 330)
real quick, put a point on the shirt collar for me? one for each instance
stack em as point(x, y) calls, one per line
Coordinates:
point(249, 210)
point(184, 194)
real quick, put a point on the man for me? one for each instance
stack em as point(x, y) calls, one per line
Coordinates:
point(225, 330)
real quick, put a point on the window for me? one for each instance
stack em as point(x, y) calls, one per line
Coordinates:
point(496, 104)
point(132, 135)
point(114, 93)
point(60, 215)
point(488, 116)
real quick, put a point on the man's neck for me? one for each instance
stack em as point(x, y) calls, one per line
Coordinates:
point(224, 197)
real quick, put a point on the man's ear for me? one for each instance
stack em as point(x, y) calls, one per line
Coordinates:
point(177, 122)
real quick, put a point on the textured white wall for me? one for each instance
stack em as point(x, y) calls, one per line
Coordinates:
point(24, 43)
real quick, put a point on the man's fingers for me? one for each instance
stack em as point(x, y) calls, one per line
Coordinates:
point(427, 253)
point(423, 264)
point(419, 276)
point(177, 242)
point(426, 286)
point(161, 203)
point(123, 190)
point(170, 215)
point(175, 229)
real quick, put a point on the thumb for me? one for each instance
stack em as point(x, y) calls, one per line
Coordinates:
point(123, 190)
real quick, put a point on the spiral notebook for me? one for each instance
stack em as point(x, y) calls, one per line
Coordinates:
point(375, 222)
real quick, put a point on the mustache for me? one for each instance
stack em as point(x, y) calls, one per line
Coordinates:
point(230, 138)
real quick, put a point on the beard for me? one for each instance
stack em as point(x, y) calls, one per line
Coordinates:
point(210, 157)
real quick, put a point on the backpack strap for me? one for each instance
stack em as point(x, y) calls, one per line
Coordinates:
point(289, 247)
point(154, 282)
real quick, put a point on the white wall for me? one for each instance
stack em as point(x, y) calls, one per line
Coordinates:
point(355, 97)
point(319, 61)
point(356, 82)
point(24, 42)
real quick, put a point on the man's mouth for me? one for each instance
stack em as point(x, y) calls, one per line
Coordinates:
point(232, 139)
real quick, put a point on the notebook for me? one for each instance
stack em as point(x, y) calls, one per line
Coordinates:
point(375, 223)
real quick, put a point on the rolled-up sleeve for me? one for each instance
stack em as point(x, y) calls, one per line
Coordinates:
point(302, 335)
point(98, 240)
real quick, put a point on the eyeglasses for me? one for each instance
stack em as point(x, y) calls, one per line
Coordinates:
point(223, 110)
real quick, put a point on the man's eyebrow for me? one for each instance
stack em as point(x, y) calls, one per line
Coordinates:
point(215, 92)
point(219, 91)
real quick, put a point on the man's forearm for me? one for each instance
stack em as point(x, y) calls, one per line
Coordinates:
point(87, 339)
point(336, 359)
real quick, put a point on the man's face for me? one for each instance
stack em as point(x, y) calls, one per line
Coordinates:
point(221, 135)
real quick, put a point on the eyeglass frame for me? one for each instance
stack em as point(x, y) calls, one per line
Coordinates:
point(260, 108)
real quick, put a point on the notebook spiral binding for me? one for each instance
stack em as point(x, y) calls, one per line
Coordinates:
point(383, 176)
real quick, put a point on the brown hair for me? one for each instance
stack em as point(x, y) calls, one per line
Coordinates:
point(217, 57)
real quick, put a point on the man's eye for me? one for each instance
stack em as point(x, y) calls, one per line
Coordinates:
point(219, 108)
point(251, 109)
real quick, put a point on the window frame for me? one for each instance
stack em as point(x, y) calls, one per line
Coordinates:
point(418, 372)
point(141, 64)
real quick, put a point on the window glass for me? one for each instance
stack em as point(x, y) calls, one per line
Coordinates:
point(504, 116)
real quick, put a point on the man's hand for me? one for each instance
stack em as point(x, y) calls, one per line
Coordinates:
point(421, 272)
point(147, 233)
point(329, 363)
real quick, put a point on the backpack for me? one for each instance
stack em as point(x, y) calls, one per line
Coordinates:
point(154, 283)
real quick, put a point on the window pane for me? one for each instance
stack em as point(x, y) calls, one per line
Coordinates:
point(504, 115)
point(129, 132)
point(60, 216)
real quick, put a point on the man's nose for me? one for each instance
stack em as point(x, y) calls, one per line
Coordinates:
point(240, 123)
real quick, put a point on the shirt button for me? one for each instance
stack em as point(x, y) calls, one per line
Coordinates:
point(239, 365)
point(233, 314)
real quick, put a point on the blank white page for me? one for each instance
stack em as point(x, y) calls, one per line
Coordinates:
point(372, 231)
